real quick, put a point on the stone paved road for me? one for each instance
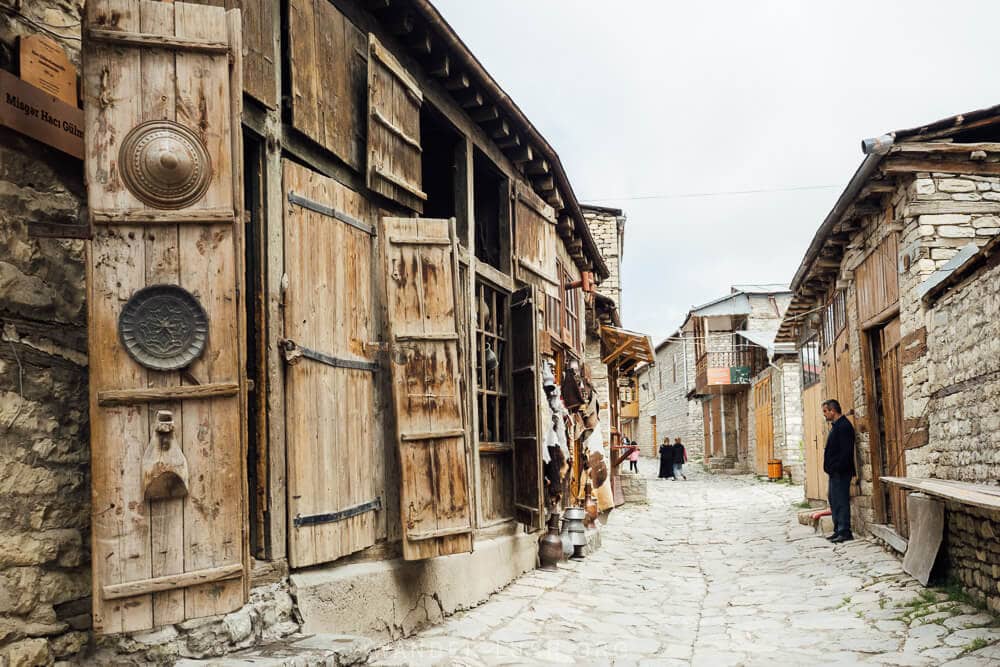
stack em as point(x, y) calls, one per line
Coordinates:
point(714, 571)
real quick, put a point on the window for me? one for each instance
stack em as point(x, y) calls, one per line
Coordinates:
point(809, 358)
point(441, 144)
point(571, 318)
point(491, 365)
point(673, 369)
point(491, 211)
point(834, 319)
point(554, 309)
point(659, 378)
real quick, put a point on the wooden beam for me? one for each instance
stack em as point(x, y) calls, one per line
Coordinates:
point(440, 67)
point(469, 99)
point(520, 154)
point(555, 200)
point(949, 147)
point(910, 165)
point(112, 397)
point(458, 81)
point(420, 42)
point(510, 142)
point(545, 183)
point(537, 166)
point(377, 5)
point(401, 24)
point(485, 114)
point(172, 582)
point(500, 129)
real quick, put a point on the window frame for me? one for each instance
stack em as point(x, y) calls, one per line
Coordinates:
point(497, 397)
point(809, 350)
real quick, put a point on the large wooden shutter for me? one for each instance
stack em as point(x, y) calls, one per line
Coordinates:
point(329, 89)
point(333, 486)
point(394, 153)
point(877, 278)
point(421, 264)
point(529, 497)
point(159, 557)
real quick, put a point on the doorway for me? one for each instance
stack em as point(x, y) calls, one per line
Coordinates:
point(888, 453)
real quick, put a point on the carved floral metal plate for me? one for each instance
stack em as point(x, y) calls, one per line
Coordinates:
point(165, 164)
point(163, 327)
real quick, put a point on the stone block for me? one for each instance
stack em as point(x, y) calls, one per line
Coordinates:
point(956, 185)
point(937, 219)
point(924, 186)
point(956, 232)
point(27, 653)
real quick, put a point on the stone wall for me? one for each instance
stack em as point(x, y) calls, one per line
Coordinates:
point(789, 443)
point(972, 551)
point(648, 394)
point(963, 382)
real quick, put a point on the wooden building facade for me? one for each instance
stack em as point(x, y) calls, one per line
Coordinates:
point(377, 256)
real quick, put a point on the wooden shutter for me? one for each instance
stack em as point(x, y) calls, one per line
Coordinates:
point(529, 497)
point(329, 59)
point(421, 264)
point(891, 404)
point(161, 560)
point(334, 497)
point(764, 422)
point(877, 279)
point(394, 153)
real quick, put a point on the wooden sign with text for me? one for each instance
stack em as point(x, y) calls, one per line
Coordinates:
point(41, 116)
point(44, 65)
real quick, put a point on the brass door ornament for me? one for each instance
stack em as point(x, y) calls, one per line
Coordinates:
point(163, 327)
point(165, 164)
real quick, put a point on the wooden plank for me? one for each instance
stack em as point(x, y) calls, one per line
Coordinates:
point(259, 62)
point(895, 165)
point(156, 41)
point(529, 493)
point(397, 69)
point(214, 526)
point(952, 490)
point(162, 266)
point(421, 297)
point(116, 268)
point(329, 306)
point(173, 582)
point(944, 147)
point(162, 392)
point(157, 217)
point(304, 68)
point(935, 207)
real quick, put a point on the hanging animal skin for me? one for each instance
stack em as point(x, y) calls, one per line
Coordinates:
point(163, 327)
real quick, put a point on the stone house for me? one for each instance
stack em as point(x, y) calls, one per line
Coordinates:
point(315, 247)
point(891, 314)
point(672, 411)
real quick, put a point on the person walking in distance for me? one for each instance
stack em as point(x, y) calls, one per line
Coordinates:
point(680, 458)
point(666, 459)
point(838, 463)
point(633, 458)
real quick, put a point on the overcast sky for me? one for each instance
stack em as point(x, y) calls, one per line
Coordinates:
point(645, 98)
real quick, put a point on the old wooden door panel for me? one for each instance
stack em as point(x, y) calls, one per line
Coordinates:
point(394, 153)
point(334, 490)
point(891, 404)
point(160, 561)
point(421, 266)
point(328, 78)
point(763, 423)
point(706, 416)
point(877, 278)
point(815, 441)
point(529, 497)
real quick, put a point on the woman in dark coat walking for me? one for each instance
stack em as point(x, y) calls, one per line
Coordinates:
point(666, 459)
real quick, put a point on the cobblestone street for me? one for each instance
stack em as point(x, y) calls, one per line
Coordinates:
point(713, 571)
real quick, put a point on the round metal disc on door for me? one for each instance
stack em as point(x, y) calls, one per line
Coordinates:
point(165, 164)
point(163, 327)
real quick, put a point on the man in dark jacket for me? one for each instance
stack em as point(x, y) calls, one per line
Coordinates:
point(838, 463)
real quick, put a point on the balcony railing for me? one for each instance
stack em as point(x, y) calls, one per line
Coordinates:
point(723, 368)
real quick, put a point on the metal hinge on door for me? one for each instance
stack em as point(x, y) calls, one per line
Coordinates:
point(295, 353)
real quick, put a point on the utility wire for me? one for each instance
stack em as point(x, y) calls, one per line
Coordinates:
point(717, 193)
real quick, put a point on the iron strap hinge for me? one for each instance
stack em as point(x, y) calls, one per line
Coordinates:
point(323, 209)
point(295, 352)
point(331, 517)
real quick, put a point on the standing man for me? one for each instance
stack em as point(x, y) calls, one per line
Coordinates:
point(680, 458)
point(838, 463)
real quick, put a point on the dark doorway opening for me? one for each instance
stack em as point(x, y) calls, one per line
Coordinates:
point(439, 168)
point(491, 207)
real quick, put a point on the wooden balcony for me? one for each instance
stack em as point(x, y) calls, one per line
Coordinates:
point(727, 371)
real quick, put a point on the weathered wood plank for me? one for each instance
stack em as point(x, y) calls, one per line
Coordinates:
point(157, 217)
point(116, 268)
point(173, 582)
point(156, 41)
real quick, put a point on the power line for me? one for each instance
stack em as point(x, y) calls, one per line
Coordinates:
point(718, 193)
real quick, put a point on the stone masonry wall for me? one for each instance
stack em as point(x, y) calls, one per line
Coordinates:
point(647, 411)
point(790, 446)
point(972, 551)
point(609, 235)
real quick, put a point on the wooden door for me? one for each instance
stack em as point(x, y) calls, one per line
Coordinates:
point(421, 267)
point(743, 426)
point(814, 436)
point(167, 391)
point(717, 426)
point(891, 454)
point(529, 496)
point(334, 471)
point(706, 416)
point(763, 424)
